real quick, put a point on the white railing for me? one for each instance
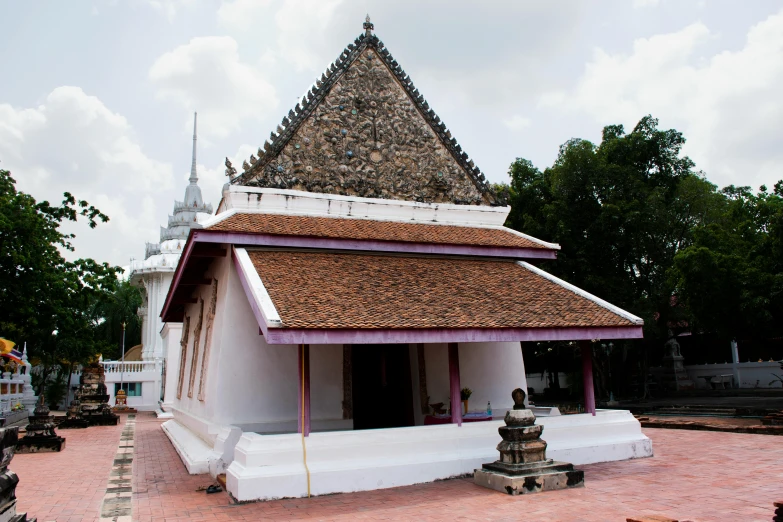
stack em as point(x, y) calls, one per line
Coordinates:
point(15, 390)
point(130, 366)
point(11, 393)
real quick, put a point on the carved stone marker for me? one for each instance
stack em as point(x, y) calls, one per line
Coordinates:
point(40, 436)
point(523, 467)
point(8, 479)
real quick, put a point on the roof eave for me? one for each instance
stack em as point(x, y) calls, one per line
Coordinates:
point(445, 335)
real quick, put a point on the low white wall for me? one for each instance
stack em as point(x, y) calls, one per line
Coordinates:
point(491, 370)
point(751, 374)
point(538, 381)
point(272, 466)
point(150, 389)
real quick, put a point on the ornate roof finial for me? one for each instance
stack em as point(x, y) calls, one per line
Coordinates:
point(368, 27)
point(193, 174)
point(230, 170)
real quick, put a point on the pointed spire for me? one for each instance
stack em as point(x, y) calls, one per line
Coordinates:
point(193, 173)
point(368, 26)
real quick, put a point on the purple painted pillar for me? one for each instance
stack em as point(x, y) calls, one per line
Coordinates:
point(303, 419)
point(587, 375)
point(456, 398)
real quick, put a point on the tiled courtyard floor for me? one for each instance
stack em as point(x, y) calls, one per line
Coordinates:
point(695, 475)
point(69, 485)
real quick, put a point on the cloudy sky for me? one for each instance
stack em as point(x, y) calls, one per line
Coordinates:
point(97, 96)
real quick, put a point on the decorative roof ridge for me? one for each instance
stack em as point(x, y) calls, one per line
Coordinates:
point(315, 95)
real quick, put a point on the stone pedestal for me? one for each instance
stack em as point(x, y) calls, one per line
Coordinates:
point(8, 479)
point(674, 377)
point(90, 406)
point(523, 467)
point(40, 436)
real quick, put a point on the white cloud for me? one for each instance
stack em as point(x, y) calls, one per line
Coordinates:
point(73, 142)
point(207, 75)
point(168, 7)
point(517, 123)
point(242, 15)
point(645, 3)
point(728, 106)
point(300, 25)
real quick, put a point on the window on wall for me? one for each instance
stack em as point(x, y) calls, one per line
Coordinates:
point(132, 389)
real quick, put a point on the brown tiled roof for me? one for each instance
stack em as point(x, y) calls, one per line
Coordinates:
point(365, 229)
point(329, 290)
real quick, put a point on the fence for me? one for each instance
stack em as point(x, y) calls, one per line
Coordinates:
point(130, 366)
point(17, 398)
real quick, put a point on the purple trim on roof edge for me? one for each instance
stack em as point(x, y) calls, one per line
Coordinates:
point(445, 335)
point(250, 239)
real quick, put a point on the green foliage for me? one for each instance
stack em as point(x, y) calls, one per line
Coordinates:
point(45, 300)
point(620, 210)
point(731, 277)
point(639, 227)
point(111, 311)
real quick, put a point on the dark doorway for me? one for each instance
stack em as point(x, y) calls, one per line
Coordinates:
point(382, 397)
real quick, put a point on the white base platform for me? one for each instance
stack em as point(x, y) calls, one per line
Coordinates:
point(164, 414)
point(272, 466)
point(13, 417)
point(194, 452)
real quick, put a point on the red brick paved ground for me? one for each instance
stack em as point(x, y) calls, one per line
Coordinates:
point(695, 475)
point(69, 485)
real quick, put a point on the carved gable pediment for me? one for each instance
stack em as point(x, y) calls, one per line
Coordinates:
point(364, 130)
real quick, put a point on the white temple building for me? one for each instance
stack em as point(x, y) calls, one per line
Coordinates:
point(357, 275)
point(154, 274)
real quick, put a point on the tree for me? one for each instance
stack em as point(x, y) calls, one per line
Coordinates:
point(45, 300)
point(621, 211)
point(731, 277)
point(111, 311)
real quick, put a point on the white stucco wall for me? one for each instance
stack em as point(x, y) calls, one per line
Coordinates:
point(751, 374)
point(170, 335)
point(491, 370)
point(251, 384)
point(155, 283)
point(150, 389)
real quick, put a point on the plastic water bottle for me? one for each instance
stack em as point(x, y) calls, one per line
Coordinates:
point(489, 409)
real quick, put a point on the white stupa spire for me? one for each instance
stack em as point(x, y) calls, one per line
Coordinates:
point(193, 173)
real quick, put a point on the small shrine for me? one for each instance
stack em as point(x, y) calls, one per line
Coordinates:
point(121, 403)
point(40, 436)
point(9, 479)
point(90, 406)
point(523, 467)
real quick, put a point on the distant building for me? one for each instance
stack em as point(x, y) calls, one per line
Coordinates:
point(154, 274)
